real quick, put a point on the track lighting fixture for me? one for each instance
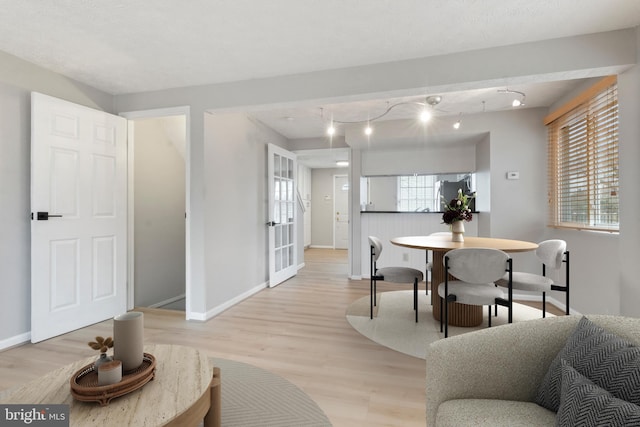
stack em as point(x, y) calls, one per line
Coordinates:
point(458, 122)
point(517, 101)
point(424, 116)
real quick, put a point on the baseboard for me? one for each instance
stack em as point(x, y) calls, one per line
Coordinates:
point(301, 266)
point(168, 301)
point(538, 298)
point(320, 247)
point(15, 341)
point(228, 304)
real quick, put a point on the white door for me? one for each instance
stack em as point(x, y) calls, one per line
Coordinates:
point(341, 209)
point(78, 230)
point(282, 220)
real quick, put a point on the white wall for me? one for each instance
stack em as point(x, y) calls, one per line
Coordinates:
point(629, 243)
point(159, 210)
point(304, 187)
point(236, 235)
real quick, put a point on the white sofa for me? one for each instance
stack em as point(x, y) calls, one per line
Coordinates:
point(491, 377)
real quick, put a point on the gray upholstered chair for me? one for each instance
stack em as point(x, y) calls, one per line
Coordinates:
point(429, 263)
point(477, 270)
point(391, 274)
point(552, 254)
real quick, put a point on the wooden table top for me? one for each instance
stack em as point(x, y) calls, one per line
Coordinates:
point(183, 375)
point(444, 243)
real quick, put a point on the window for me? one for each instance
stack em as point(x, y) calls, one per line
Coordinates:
point(416, 193)
point(412, 193)
point(583, 161)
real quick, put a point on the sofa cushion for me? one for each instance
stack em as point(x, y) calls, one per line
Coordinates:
point(611, 362)
point(584, 403)
point(494, 413)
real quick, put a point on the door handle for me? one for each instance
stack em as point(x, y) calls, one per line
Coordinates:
point(44, 216)
point(272, 223)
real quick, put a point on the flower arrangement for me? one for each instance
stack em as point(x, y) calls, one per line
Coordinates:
point(458, 209)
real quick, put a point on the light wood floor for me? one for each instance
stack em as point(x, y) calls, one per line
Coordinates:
point(297, 330)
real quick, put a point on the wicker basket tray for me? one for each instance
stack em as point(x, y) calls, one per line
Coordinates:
point(84, 383)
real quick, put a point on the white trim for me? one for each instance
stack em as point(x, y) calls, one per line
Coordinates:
point(538, 297)
point(162, 112)
point(320, 247)
point(15, 340)
point(355, 277)
point(301, 266)
point(167, 301)
point(130, 209)
point(228, 304)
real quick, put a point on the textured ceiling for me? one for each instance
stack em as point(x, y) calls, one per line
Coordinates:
point(124, 46)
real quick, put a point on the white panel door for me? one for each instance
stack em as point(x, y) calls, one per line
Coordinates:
point(282, 219)
point(78, 229)
point(341, 209)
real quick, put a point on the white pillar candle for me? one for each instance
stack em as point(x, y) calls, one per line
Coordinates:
point(110, 373)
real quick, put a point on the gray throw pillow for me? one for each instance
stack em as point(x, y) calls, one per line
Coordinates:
point(611, 362)
point(582, 403)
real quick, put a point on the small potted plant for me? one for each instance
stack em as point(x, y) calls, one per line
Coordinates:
point(103, 345)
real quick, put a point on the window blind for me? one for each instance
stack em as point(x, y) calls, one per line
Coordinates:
point(583, 164)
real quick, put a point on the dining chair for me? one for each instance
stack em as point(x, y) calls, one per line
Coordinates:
point(553, 254)
point(390, 274)
point(476, 271)
point(429, 263)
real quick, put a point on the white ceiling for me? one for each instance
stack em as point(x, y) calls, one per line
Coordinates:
point(127, 46)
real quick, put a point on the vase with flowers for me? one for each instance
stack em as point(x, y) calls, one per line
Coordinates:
point(102, 345)
point(456, 212)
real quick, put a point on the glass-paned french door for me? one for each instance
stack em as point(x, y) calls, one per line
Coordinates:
point(282, 211)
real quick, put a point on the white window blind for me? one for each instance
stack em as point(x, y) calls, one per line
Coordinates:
point(583, 163)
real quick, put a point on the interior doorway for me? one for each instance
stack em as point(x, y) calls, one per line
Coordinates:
point(341, 211)
point(158, 201)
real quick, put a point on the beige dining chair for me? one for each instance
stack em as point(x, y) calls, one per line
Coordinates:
point(390, 274)
point(476, 271)
point(553, 254)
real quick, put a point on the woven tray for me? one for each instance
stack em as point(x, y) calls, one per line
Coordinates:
point(84, 383)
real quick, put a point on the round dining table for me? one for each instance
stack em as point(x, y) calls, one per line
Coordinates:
point(459, 314)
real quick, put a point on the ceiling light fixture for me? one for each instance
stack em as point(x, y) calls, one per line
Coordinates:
point(342, 163)
point(424, 116)
point(458, 122)
point(517, 102)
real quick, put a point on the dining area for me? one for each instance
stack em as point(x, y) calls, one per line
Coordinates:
point(478, 272)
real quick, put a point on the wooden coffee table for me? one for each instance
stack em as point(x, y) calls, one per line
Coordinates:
point(184, 391)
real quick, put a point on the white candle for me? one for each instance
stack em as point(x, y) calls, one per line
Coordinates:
point(110, 373)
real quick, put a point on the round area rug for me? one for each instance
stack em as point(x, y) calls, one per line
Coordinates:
point(252, 396)
point(393, 324)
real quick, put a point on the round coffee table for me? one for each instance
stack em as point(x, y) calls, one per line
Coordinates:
point(185, 390)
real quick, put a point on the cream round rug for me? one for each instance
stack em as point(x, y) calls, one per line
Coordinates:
point(394, 325)
point(254, 397)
